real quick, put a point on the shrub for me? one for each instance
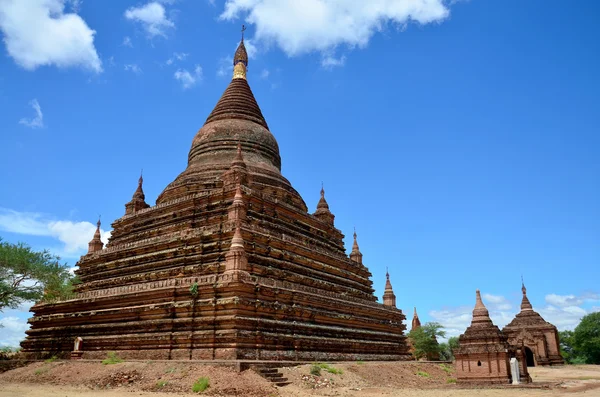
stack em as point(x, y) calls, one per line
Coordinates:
point(161, 383)
point(315, 370)
point(194, 290)
point(51, 359)
point(446, 368)
point(450, 380)
point(200, 385)
point(112, 358)
point(423, 374)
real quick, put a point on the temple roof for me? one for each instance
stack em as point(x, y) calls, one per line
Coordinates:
point(237, 102)
point(236, 121)
point(482, 335)
point(527, 317)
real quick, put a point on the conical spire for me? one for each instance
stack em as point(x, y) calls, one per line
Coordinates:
point(323, 213)
point(525, 304)
point(389, 299)
point(139, 192)
point(96, 243)
point(388, 285)
point(416, 322)
point(356, 255)
point(138, 201)
point(322, 202)
point(481, 316)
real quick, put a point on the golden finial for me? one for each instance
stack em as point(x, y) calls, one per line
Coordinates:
point(240, 59)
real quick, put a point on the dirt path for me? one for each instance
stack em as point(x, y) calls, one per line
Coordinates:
point(168, 379)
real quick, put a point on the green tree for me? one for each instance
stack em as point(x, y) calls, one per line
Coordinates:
point(586, 339)
point(28, 275)
point(446, 349)
point(424, 340)
point(567, 351)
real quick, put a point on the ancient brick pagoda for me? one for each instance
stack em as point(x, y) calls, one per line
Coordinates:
point(538, 337)
point(484, 354)
point(227, 265)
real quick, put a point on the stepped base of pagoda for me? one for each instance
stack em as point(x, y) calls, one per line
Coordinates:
point(231, 316)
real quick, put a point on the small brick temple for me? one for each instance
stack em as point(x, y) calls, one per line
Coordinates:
point(538, 337)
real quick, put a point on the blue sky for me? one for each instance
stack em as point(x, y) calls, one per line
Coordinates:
point(460, 138)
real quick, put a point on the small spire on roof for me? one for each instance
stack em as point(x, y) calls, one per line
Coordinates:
point(480, 312)
point(356, 255)
point(525, 303)
point(389, 299)
point(96, 243)
point(323, 213)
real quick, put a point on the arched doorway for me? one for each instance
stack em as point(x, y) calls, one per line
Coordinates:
point(529, 357)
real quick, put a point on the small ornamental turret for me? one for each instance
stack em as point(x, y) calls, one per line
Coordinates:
point(240, 59)
point(416, 323)
point(322, 213)
point(237, 210)
point(96, 243)
point(235, 258)
point(238, 171)
point(389, 299)
point(138, 201)
point(356, 255)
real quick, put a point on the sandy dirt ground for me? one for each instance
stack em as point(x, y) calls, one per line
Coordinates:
point(169, 379)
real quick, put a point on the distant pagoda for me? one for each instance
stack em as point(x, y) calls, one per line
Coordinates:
point(227, 265)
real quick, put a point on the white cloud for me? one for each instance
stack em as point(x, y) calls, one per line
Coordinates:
point(264, 74)
point(132, 67)
point(127, 42)
point(152, 17)
point(75, 5)
point(496, 302)
point(13, 330)
point(455, 320)
point(317, 25)
point(74, 236)
point(329, 61)
point(38, 120)
point(570, 300)
point(188, 79)
point(251, 48)
point(177, 56)
point(565, 318)
point(225, 66)
point(39, 32)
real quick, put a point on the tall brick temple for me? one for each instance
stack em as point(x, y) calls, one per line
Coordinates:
point(229, 264)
